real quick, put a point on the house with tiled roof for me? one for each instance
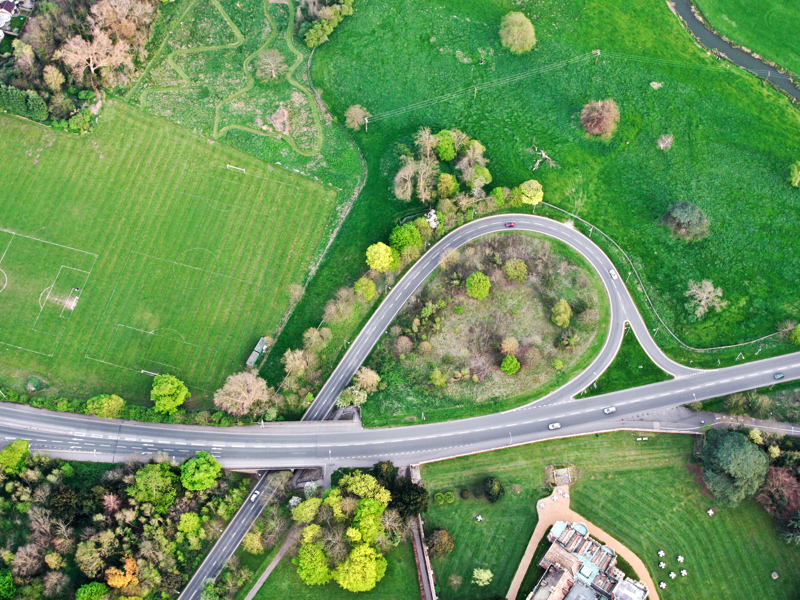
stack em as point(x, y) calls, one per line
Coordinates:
point(578, 567)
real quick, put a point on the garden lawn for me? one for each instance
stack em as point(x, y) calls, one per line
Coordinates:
point(643, 494)
point(631, 368)
point(135, 249)
point(734, 140)
point(772, 31)
point(399, 582)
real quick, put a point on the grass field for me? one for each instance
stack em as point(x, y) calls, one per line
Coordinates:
point(623, 186)
point(399, 582)
point(135, 248)
point(644, 494)
point(631, 368)
point(772, 31)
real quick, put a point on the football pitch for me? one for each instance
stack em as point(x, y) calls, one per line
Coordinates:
point(142, 249)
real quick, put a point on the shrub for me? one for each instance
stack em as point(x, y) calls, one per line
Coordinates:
point(449, 497)
point(465, 494)
point(561, 314)
point(794, 175)
point(600, 118)
point(478, 285)
point(438, 498)
point(493, 488)
point(438, 379)
point(517, 33)
point(686, 220)
point(105, 406)
point(440, 543)
point(365, 288)
point(558, 364)
point(510, 365)
point(425, 348)
point(515, 269)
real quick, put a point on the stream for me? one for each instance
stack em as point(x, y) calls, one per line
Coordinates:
point(711, 40)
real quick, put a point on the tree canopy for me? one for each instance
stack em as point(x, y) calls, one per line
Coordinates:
point(155, 483)
point(362, 570)
point(379, 257)
point(561, 314)
point(493, 488)
point(13, 456)
point(365, 288)
point(105, 406)
point(510, 365)
point(405, 235)
point(168, 393)
point(517, 33)
point(7, 588)
point(478, 285)
point(532, 192)
point(244, 393)
point(201, 472)
point(312, 565)
point(733, 467)
point(93, 591)
point(515, 269)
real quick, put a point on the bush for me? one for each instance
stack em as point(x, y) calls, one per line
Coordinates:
point(795, 336)
point(449, 497)
point(510, 365)
point(794, 175)
point(465, 494)
point(515, 269)
point(478, 285)
point(440, 543)
point(477, 491)
point(517, 33)
point(600, 118)
point(686, 220)
point(365, 288)
point(494, 489)
point(438, 498)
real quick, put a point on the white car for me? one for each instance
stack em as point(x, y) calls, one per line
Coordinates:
point(255, 496)
point(610, 409)
point(613, 274)
point(554, 426)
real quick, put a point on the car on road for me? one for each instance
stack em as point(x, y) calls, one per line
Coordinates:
point(778, 376)
point(255, 495)
point(509, 224)
point(613, 274)
point(554, 426)
point(610, 409)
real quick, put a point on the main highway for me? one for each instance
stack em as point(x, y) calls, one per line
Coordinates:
point(327, 444)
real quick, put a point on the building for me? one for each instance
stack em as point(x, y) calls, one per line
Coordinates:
point(578, 567)
point(7, 10)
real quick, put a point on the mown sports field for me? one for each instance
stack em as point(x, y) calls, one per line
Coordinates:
point(137, 248)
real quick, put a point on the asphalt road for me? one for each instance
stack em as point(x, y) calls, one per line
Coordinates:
point(330, 444)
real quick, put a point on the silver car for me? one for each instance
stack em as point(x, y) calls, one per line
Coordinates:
point(554, 426)
point(610, 409)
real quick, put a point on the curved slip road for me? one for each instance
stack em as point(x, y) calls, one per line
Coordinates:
point(330, 443)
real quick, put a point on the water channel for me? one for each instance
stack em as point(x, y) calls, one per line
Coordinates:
point(712, 41)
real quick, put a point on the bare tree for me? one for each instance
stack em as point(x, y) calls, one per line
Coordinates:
point(509, 346)
point(270, 65)
point(124, 19)
point(404, 180)
point(295, 292)
point(425, 142)
point(355, 116)
point(28, 560)
point(243, 393)
point(427, 170)
point(460, 139)
point(294, 361)
point(704, 296)
point(55, 583)
point(403, 345)
point(111, 503)
point(367, 379)
point(665, 141)
point(316, 339)
point(334, 540)
point(80, 54)
point(600, 118)
point(53, 78)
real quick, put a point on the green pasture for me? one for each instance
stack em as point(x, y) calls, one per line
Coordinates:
point(630, 368)
point(734, 141)
point(399, 582)
point(136, 249)
point(772, 31)
point(645, 494)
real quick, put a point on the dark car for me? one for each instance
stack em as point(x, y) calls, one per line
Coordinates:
point(510, 224)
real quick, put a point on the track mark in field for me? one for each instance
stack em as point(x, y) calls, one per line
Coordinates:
point(45, 290)
point(3, 280)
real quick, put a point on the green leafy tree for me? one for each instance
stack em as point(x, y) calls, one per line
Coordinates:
point(252, 543)
point(201, 472)
point(517, 33)
point(168, 393)
point(481, 177)
point(561, 314)
point(368, 519)
point(437, 378)
point(445, 147)
point(404, 236)
point(409, 498)
point(532, 192)
point(733, 467)
point(478, 285)
point(515, 269)
point(365, 485)
point(362, 570)
point(385, 473)
point(7, 588)
point(482, 577)
point(14, 456)
point(93, 591)
point(794, 175)
point(306, 511)
point(447, 186)
point(365, 288)
point(156, 484)
point(379, 257)
point(493, 488)
point(795, 336)
point(312, 565)
point(105, 406)
point(440, 543)
point(510, 365)
point(189, 523)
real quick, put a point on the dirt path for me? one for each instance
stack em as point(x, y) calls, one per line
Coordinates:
point(556, 508)
point(287, 543)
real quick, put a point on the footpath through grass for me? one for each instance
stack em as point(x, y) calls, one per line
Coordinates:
point(623, 186)
point(642, 493)
point(631, 368)
point(135, 249)
point(399, 582)
point(772, 31)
